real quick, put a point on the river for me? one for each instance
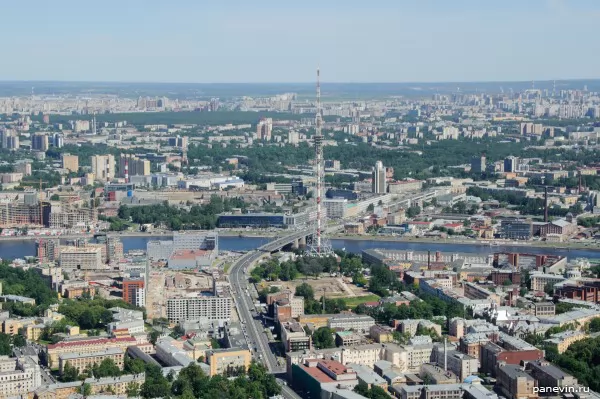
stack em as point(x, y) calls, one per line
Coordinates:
point(18, 249)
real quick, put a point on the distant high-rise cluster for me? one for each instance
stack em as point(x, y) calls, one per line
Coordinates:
point(264, 129)
point(214, 104)
point(39, 142)
point(9, 139)
point(181, 142)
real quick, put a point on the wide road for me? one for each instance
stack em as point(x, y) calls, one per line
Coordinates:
point(257, 339)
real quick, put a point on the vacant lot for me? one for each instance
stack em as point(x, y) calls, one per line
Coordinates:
point(332, 287)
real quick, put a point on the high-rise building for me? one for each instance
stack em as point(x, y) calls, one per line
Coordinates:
point(9, 139)
point(39, 142)
point(131, 287)
point(510, 164)
point(181, 142)
point(196, 308)
point(293, 137)
point(103, 167)
point(70, 162)
point(47, 249)
point(136, 166)
point(114, 249)
point(264, 128)
point(478, 164)
point(379, 183)
point(58, 141)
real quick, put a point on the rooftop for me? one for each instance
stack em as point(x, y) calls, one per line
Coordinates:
point(97, 341)
point(106, 352)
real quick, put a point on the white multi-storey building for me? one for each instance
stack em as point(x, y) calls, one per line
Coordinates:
point(359, 323)
point(212, 308)
point(81, 258)
point(18, 376)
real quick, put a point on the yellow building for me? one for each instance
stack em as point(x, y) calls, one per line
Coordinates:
point(33, 331)
point(561, 341)
point(91, 345)
point(70, 162)
point(318, 320)
point(381, 334)
point(222, 360)
point(11, 326)
point(114, 385)
point(82, 361)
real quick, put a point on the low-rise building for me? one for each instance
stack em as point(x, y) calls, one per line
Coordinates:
point(81, 361)
point(561, 341)
point(53, 351)
point(293, 336)
point(347, 338)
point(115, 385)
point(550, 376)
point(515, 383)
point(541, 309)
point(437, 375)
point(539, 281)
point(222, 361)
point(381, 334)
point(313, 375)
point(358, 323)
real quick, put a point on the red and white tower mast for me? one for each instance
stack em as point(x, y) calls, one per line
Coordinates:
point(320, 245)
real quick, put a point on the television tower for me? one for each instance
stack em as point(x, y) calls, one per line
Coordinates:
point(320, 245)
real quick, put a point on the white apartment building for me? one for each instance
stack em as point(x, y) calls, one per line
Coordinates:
point(195, 240)
point(211, 308)
point(416, 355)
point(336, 208)
point(365, 355)
point(18, 376)
point(81, 258)
point(358, 323)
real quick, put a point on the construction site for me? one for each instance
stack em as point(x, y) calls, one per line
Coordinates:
point(331, 287)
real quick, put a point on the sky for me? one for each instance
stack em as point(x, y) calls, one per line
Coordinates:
point(264, 41)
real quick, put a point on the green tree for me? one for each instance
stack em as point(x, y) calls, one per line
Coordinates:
point(69, 373)
point(86, 389)
point(133, 366)
point(132, 390)
point(107, 368)
point(595, 325)
point(305, 290)
point(323, 338)
point(154, 336)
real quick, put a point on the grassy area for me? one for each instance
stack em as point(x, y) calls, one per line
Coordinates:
point(226, 267)
point(357, 300)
